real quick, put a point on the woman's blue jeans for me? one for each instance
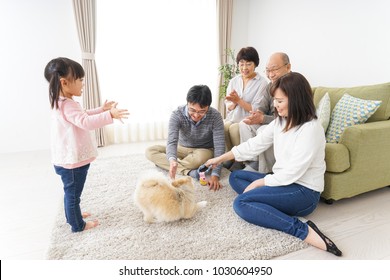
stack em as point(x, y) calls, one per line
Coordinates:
point(273, 207)
point(73, 180)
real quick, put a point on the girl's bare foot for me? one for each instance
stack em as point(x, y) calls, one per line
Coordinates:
point(91, 224)
point(85, 215)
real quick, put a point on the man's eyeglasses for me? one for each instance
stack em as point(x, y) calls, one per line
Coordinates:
point(200, 113)
point(267, 71)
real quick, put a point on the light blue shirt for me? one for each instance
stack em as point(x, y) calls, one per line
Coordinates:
point(253, 93)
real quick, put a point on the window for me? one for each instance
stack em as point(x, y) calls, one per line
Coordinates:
point(148, 54)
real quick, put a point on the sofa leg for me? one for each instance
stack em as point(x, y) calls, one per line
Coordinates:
point(328, 201)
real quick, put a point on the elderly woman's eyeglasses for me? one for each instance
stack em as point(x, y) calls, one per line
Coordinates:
point(246, 64)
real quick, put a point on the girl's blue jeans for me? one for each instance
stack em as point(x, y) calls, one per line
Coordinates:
point(73, 180)
point(273, 207)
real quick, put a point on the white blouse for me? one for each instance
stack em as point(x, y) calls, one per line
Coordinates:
point(253, 94)
point(299, 153)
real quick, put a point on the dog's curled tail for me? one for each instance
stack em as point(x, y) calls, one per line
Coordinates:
point(151, 183)
point(181, 181)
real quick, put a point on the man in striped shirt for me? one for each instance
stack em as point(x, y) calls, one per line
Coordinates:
point(195, 134)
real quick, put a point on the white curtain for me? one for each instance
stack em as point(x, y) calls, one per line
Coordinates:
point(85, 15)
point(150, 53)
point(224, 24)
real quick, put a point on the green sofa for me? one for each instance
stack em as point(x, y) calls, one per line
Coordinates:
point(360, 162)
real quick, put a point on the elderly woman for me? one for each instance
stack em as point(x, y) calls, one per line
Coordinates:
point(244, 94)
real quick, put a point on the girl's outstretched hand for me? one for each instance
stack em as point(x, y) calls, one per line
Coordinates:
point(117, 113)
point(107, 105)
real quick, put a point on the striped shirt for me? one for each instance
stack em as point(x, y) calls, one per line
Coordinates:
point(208, 133)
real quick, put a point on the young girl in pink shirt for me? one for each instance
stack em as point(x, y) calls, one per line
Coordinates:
point(73, 146)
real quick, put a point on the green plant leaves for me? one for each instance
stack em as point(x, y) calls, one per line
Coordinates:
point(227, 71)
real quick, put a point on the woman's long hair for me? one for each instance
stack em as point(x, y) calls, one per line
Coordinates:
point(301, 107)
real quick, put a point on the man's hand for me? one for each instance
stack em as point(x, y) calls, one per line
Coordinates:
point(172, 168)
point(255, 117)
point(214, 183)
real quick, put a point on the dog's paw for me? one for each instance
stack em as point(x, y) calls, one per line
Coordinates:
point(149, 219)
point(202, 204)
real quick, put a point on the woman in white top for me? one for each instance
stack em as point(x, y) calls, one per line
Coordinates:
point(293, 189)
point(244, 94)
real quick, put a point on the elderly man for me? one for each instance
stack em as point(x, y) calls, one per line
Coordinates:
point(277, 66)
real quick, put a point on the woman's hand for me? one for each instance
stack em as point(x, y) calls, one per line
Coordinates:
point(233, 97)
point(236, 100)
point(231, 106)
point(214, 162)
point(255, 184)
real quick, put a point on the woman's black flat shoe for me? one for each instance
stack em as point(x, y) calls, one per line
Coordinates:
point(330, 246)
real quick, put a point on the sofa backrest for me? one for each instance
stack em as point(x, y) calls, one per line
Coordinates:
point(370, 92)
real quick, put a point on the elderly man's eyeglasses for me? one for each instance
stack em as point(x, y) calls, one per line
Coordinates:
point(192, 111)
point(267, 71)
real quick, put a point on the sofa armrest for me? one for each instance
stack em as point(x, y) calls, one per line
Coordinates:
point(336, 157)
point(369, 147)
point(373, 133)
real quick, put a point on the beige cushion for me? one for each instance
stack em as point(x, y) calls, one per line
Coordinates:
point(323, 111)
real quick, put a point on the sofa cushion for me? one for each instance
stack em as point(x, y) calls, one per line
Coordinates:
point(371, 92)
point(349, 111)
point(336, 157)
point(323, 111)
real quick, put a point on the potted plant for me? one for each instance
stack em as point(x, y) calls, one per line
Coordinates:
point(227, 71)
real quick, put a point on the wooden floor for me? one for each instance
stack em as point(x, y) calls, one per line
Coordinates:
point(30, 195)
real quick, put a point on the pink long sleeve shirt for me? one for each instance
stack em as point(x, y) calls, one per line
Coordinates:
point(72, 133)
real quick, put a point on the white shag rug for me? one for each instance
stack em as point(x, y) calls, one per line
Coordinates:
point(214, 233)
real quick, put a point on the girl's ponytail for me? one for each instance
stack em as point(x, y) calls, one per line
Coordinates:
point(54, 90)
point(53, 75)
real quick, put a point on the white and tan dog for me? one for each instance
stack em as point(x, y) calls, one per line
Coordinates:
point(162, 201)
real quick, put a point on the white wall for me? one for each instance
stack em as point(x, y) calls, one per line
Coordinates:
point(331, 42)
point(32, 33)
point(240, 25)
